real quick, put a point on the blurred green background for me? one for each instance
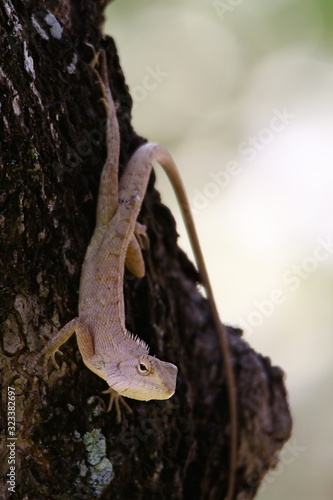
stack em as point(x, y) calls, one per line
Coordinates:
point(241, 93)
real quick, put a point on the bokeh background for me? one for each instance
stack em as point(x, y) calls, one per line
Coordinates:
point(241, 93)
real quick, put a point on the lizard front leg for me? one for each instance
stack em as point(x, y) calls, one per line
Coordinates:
point(116, 399)
point(83, 337)
point(86, 347)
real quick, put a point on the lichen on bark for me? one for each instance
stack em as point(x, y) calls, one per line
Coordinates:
point(52, 152)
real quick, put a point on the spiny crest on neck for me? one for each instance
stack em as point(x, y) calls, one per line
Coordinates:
point(138, 341)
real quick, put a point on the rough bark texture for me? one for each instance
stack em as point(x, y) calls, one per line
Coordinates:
point(52, 152)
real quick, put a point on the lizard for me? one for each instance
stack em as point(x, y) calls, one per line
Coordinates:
point(107, 348)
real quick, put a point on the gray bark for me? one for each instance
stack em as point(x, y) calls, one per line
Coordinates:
point(52, 127)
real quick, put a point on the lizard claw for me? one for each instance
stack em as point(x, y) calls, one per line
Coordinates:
point(102, 78)
point(96, 54)
point(47, 355)
point(104, 101)
point(52, 356)
point(140, 232)
point(116, 399)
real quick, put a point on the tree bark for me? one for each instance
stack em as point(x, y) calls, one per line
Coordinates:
point(52, 153)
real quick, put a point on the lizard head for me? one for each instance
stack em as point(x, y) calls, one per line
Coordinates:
point(142, 377)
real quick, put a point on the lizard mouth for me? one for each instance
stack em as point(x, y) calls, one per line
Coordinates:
point(161, 384)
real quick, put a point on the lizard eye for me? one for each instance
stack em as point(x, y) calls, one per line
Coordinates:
point(144, 367)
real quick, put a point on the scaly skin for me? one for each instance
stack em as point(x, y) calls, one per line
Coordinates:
point(107, 348)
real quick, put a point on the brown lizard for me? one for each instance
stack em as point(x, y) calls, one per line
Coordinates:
point(107, 348)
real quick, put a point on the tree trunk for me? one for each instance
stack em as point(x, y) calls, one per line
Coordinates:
point(52, 153)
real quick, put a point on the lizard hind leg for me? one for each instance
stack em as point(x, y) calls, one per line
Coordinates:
point(134, 260)
point(107, 203)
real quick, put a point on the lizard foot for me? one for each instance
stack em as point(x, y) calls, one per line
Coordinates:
point(140, 232)
point(52, 356)
point(102, 79)
point(116, 399)
point(96, 54)
point(47, 354)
